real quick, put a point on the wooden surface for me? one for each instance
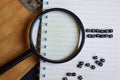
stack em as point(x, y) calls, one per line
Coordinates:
point(14, 24)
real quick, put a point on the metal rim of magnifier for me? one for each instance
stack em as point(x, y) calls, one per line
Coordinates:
point(81, 27)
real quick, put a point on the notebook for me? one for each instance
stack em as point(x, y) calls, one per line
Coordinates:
point(102, 28)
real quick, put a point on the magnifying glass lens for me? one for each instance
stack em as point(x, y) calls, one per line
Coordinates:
point(56, 35)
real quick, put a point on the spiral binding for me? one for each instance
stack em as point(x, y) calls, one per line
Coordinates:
point(44, 24)
point(42, 46)
point(43, 39)
point(45, 2)
point(45, 17)
point(42, 68)
point(42, 75)
point(42, 31)
point(43, 53)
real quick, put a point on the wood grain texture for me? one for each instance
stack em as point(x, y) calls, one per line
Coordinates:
point(14, 24)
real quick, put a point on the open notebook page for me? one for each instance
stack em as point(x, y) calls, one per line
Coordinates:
point(94, 14)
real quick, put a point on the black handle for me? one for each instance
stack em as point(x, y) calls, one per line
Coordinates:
point(15, 61)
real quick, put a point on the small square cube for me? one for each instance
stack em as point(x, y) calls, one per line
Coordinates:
point(80, 77)
point(65, 78)
point(87, 64)
point(74, 74)
point(93, 67)
point(81, 63)
point(95, 57)
point(102, 60)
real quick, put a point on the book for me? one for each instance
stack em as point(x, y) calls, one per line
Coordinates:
point(100, 56)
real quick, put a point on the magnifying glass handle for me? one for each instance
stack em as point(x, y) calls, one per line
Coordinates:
point(15, 61)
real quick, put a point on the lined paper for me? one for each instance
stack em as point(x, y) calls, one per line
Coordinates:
point(62, 35)
point(94, 14)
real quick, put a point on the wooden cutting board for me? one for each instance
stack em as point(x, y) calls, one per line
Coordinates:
point(14, 23)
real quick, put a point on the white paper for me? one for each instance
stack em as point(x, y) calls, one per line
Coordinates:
point(94, 14)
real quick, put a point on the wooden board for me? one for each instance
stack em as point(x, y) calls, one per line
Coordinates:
point(14, 24)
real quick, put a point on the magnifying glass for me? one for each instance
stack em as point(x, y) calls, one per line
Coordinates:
point(66, 37)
